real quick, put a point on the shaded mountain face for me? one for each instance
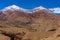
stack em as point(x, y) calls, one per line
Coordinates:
point(22, 24)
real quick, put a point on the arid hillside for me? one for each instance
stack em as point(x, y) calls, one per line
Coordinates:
point(19, 25)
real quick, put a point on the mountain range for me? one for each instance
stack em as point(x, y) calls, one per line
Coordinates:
point(55, 10)
point(15, 7)
point(40, 23)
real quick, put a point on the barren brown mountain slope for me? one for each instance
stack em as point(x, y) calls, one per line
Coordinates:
point(18, 25)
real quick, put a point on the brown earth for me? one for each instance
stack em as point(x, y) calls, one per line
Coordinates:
point(41, 25)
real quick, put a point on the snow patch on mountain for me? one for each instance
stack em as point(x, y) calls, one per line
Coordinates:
point(38, 8)
point(14, 7)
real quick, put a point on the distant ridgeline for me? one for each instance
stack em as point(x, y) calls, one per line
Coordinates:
point(36, 9)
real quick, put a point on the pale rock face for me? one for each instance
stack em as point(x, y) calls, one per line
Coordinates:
point(2, 37)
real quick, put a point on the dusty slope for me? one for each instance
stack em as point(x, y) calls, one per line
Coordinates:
point(41, 25)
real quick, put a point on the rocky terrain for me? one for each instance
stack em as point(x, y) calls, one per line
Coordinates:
point(37, 24)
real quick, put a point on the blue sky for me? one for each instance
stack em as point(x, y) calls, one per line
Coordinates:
point(29, 4)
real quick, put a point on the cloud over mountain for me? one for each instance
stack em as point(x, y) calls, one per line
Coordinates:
point(55, 10)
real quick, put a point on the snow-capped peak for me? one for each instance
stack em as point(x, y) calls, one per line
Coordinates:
point(14, 7)
point(38, 8)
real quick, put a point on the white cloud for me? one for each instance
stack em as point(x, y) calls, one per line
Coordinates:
point(55, 10)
